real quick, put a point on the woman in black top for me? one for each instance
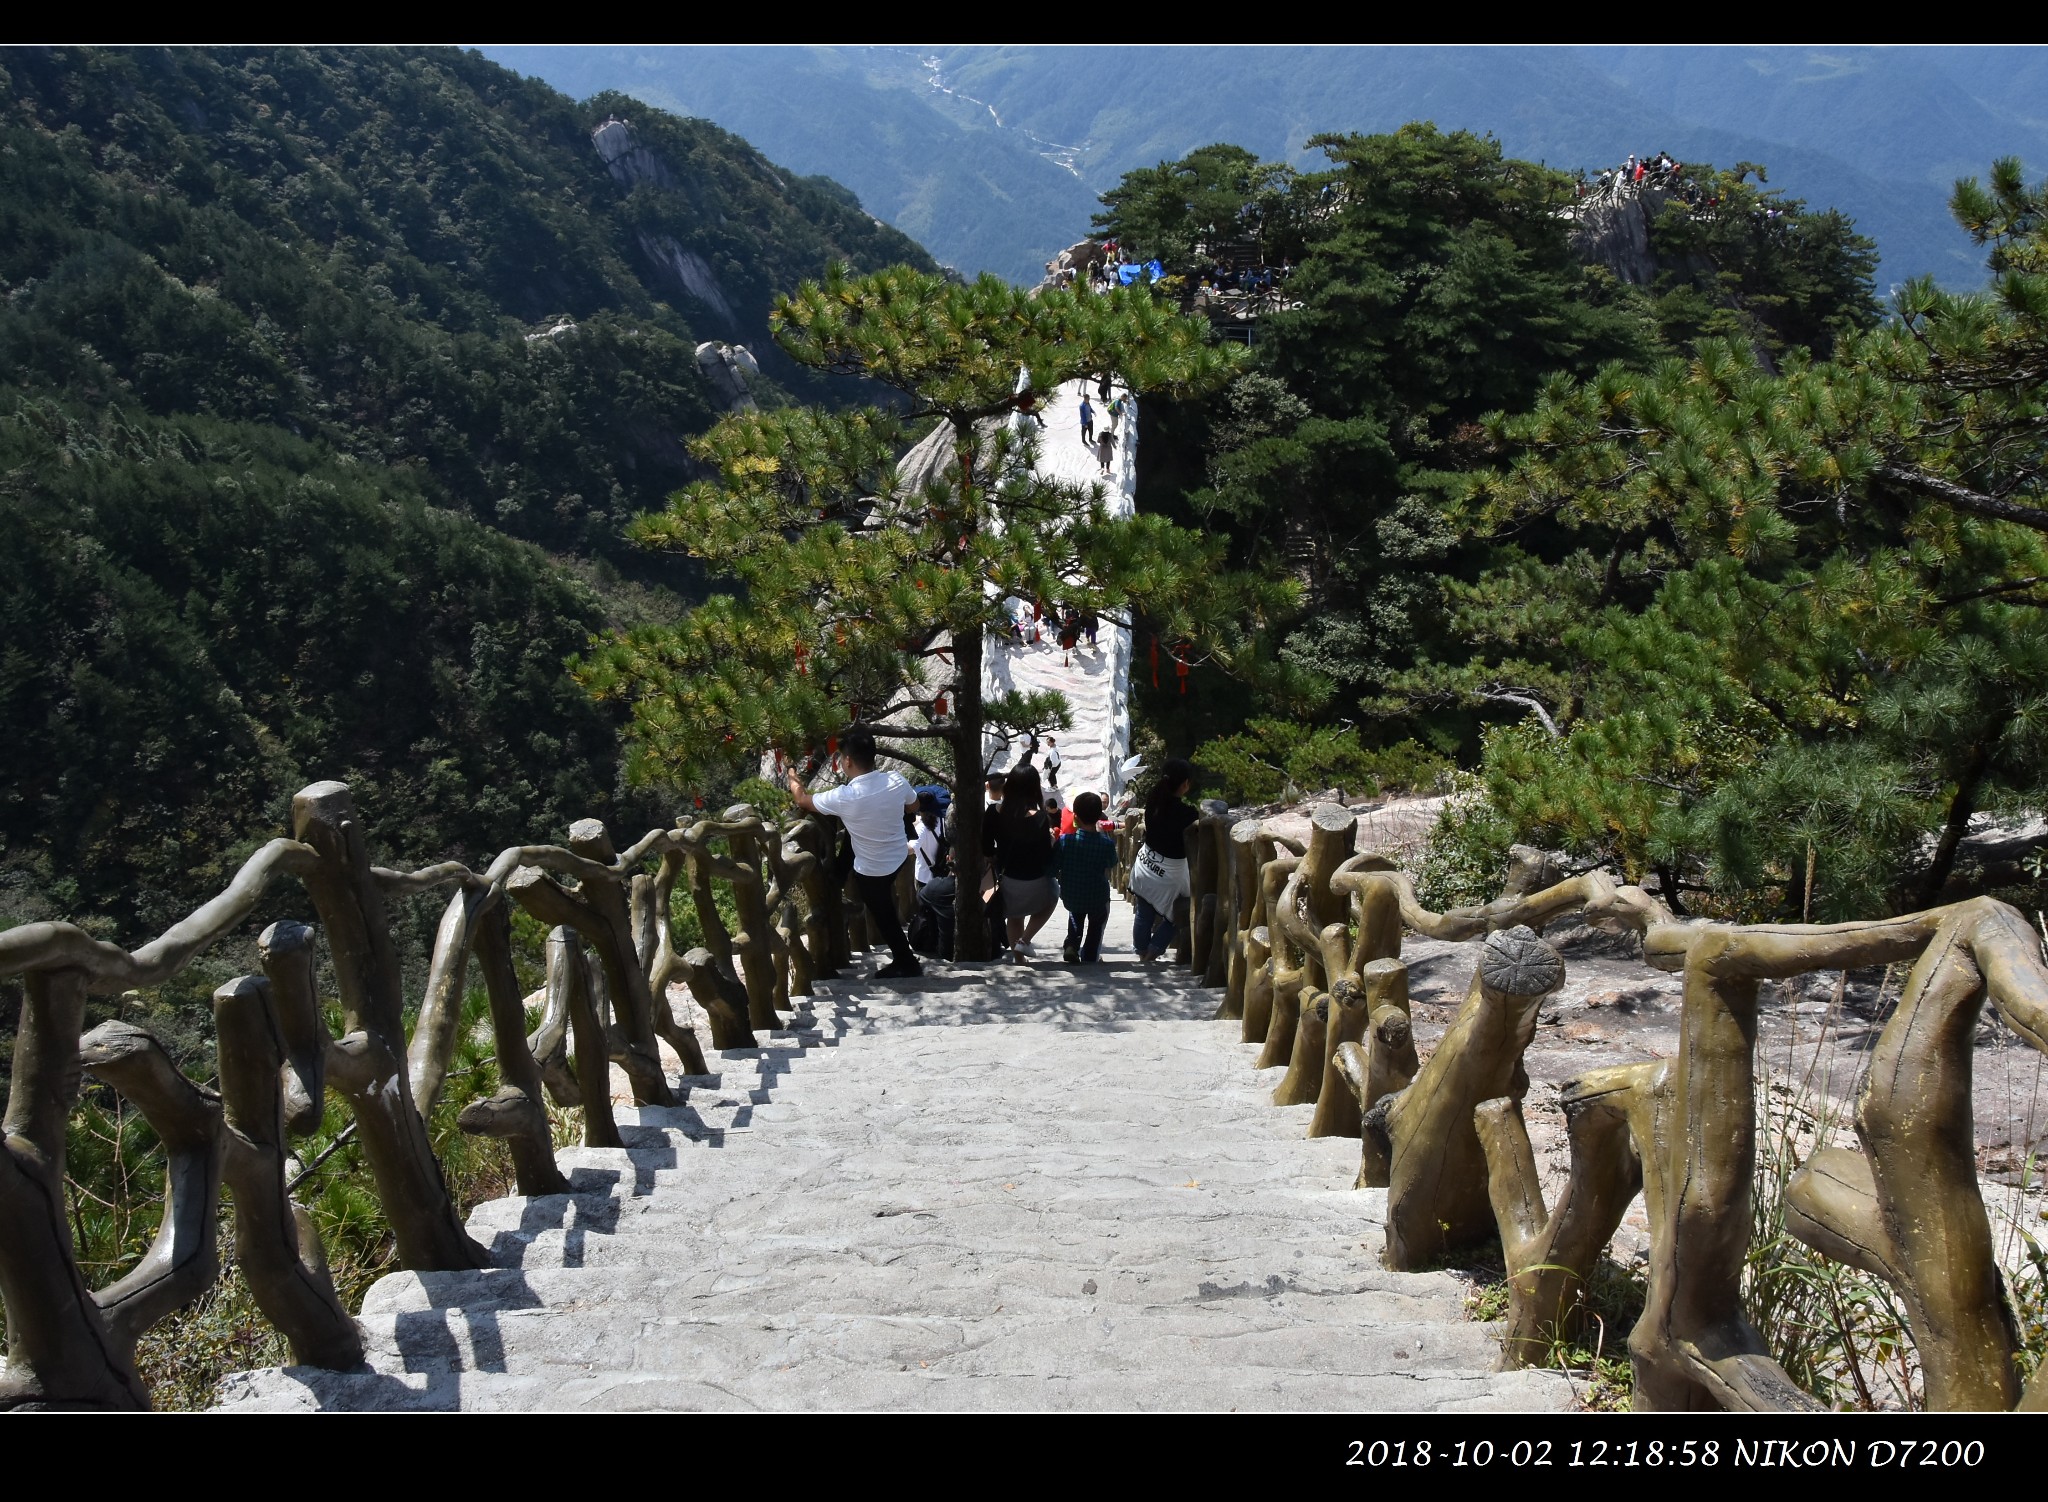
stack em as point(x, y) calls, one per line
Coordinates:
point(1021, 842)
point(1159, 876)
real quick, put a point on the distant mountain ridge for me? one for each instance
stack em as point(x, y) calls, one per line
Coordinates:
point(992, 156)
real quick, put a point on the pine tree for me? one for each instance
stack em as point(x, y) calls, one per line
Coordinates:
point(864, 592)
point(1840, 658)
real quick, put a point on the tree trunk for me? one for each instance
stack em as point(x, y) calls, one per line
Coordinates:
point(1960, 808)
point(970, 927)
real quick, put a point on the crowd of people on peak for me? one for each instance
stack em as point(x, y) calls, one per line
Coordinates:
point(1666, 174)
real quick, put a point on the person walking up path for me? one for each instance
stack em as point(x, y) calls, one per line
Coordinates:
point(1159, 875)
point(1082, 860)
point(1087, 420)
point(871, 805)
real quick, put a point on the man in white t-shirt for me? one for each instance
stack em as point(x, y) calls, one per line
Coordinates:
point(871, 805)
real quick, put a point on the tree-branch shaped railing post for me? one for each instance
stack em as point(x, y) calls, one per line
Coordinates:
point(755, 941)
point(1693, 1347)
point(723, 999)
point(184, 1258)
point(1223, 914)
point(287, 953)
point(1909, 1208)
point(59, 1350)
point(1382, 1066)
point(1289, 972)
point(549, 1043)
point(824, 917)
point(1274, 870)
point(1243, 870)
point(1437, 1193)
point(367, 1064)
point(568, 993)
point(275, 1241)
point(789, 866)
point(1338, 1113)
point(516, 1112)
point(609, 931)
point(1551, 1254)
point(597, 911)
point(1304, 1075)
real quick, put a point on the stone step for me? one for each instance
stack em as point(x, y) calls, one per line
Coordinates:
point(906, 1388)
point(1032, 1187)
point(790, 1275)
point(629, 1322)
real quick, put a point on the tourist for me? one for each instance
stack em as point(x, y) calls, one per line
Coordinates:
point(1090, 624)
point(1070, 637)
point(1105, 446)
point(1087, 420)
point(991, 888)
point(871, 806)
point(1052, 762)
point(929, 846)
point(1020, 839)
point(1082, 861)
point(1159, 874)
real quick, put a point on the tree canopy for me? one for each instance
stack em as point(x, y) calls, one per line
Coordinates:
point(863, 594)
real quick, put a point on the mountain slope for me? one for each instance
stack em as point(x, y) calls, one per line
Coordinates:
point(997, 151)
point(290, 341)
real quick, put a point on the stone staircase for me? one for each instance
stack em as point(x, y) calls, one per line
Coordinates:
point(999, 1188)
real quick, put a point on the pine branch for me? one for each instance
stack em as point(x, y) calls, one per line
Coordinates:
point(1949, 493)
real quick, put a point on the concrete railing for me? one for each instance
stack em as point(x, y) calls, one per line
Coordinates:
point(1304, 941)
point(610, 961)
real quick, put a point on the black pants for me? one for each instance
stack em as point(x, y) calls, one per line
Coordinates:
point(878, 896)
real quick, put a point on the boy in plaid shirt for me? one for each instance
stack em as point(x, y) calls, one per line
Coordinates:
point(1082, 861)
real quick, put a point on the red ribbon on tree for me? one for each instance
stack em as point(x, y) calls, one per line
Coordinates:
point(939, 706)
point(1180, 666)
point(1155, 662)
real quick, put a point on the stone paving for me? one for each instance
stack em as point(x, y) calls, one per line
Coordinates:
point(1019, 1188)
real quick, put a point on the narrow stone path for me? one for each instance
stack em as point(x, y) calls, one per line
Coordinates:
point(1096, 680)
point(1000, 1188)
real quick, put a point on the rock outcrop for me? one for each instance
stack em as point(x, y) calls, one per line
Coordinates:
point(729, 367)
point(1612, 229)
point(626, 159)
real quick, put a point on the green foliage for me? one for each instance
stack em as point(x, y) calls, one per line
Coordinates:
point(1179, 212)
point(1754, 265)
point(1272, 759)
point(2029, 1292)
point(372, 246)
point(1818, 646)
point(854, 579)
point(200, 617)
point(1839, 1332)
point(290, 339)
point(1466, 858)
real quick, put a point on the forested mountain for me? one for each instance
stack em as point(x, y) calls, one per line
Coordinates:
point(294, 344)
point(992, 155)
point(1718, 576)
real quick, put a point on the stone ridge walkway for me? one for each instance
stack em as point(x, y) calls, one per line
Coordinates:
point(1001, 1188)
point(1091, 682)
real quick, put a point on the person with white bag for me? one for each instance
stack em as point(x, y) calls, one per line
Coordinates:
point(1159, 872)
